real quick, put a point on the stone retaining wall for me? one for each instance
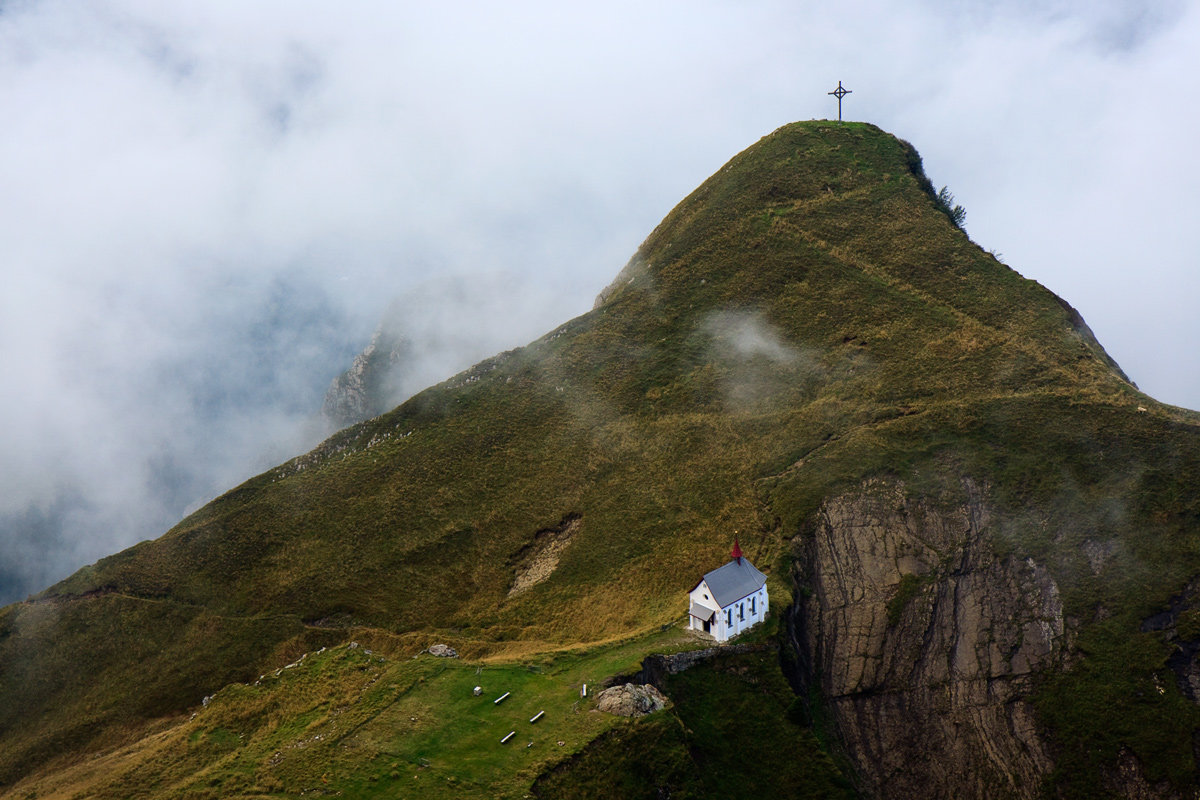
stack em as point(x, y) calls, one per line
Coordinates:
point(656, 668)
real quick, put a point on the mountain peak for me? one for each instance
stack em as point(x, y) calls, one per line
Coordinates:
point(832, 236)
point(800, 165)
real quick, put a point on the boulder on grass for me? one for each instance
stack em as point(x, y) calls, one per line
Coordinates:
point(631, 700)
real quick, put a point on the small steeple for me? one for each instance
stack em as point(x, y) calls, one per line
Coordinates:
point(737, 551)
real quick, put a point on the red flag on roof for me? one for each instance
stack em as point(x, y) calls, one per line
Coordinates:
point(737, 551)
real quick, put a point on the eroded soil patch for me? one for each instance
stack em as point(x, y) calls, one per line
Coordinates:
point(538, 559)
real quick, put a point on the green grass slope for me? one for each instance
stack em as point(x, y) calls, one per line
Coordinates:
point(807, 318)
point(725, 713)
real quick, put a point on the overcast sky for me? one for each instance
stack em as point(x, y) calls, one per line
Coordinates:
point(208, 205)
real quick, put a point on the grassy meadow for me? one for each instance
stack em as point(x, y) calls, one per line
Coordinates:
point(360, 722)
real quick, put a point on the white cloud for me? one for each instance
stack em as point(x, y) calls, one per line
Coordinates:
point(206, 207)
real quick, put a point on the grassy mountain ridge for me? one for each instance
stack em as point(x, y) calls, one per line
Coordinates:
point(806, 319)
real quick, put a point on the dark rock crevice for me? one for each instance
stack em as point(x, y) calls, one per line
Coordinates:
point(1179, 625)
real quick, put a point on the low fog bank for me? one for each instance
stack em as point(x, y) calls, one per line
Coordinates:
point(226, 400)
point(126, 441)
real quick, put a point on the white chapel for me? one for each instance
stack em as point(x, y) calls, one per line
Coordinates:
point(729, 599)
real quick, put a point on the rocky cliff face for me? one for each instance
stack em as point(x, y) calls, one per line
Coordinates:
point(925, 641)
point(373, 382)
point(424, 336)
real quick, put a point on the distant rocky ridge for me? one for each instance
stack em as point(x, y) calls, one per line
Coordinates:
point(374, 382)
point(433, 331)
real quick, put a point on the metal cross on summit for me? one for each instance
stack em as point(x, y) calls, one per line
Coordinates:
point(839, 92)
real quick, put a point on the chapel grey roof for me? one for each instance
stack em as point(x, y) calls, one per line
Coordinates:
point(734, 581)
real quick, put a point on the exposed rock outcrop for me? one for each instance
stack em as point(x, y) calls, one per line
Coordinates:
point(631, 700)
point(926, 642)
point(432, 332)
point(372, 383)
point(1129, 781)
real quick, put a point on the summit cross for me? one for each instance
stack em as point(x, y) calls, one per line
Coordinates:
point(839, 93)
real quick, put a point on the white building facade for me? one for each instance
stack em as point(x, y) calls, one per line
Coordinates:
point(728, 600)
